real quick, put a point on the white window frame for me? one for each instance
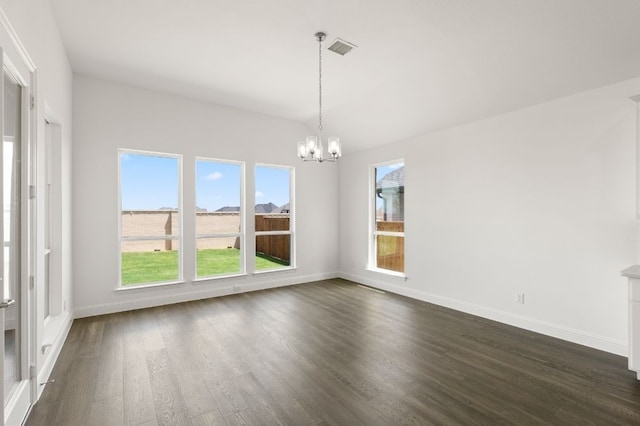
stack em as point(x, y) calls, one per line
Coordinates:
point(373, 232)
point(240, 234)
point(179, 237)
point(292, 223)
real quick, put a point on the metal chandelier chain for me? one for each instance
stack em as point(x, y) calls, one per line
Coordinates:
point(320, 82)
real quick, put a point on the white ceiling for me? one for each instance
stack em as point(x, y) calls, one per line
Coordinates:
point(420, 65)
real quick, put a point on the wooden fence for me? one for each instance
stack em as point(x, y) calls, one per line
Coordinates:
point(278, 246)
point(390, 250)
point(152, 223)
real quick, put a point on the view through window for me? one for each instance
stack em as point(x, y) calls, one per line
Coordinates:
point(219, 218)
point(273, 217)
point(150, 217)
point(388, 231)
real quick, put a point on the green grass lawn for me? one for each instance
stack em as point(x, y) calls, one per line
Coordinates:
point(267, 262)
point(150, 267)
point(216, 262)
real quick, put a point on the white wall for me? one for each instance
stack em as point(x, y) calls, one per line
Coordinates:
point(539, 201)
point(108, 116)
point(35, 26)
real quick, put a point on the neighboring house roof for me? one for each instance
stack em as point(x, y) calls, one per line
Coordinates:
point(260, 208)
point(228, 209)
point(393, 179)
point(265, 208)
point(284, 209)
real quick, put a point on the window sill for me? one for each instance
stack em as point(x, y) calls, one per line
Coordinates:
point(143, 286)
point(269, 271)
point(388, 272)
point(200, 280)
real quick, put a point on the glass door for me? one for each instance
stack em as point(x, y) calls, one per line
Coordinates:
point(11, 174)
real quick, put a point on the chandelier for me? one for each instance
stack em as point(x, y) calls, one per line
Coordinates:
point(312, 149)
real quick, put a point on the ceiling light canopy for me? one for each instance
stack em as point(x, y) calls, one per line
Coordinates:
point(313, 149)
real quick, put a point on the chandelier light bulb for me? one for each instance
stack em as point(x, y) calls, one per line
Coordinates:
point(319, 152)
point(334, 146)
point(302, 150)
point(312, 144)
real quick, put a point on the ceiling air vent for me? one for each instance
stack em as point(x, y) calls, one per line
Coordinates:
point(341, 47)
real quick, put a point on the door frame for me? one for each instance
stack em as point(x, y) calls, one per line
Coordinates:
point(17, 60)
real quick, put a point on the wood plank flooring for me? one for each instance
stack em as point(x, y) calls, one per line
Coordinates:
point(329, 352)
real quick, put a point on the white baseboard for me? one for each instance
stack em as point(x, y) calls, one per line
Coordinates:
point(581, 337)
point(53, 351)
point(232, 288)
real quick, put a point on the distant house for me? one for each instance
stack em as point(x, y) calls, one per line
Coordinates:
point(266, 208)
point(284, 209)
point(260, 209)
point(227, 209)
point(390, 188)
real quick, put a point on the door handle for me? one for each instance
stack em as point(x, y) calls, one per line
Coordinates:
point(6, 303)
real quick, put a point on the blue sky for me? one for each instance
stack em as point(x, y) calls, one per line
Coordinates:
point(151, 182)
point(148, 183)
point(272, 185)
point(217, 185)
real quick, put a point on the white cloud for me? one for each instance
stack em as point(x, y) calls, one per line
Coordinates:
point(259, 194)
point(214, 176)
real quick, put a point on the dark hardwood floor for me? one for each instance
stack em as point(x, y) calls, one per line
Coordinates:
point(329, 352)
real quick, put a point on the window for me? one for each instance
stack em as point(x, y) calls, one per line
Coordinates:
point(387, 242)
point(150, 217)
point(14, 214)
point(273, 217)
point(219, 218)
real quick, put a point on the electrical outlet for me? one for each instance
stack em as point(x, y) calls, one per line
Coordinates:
point(520, 298)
